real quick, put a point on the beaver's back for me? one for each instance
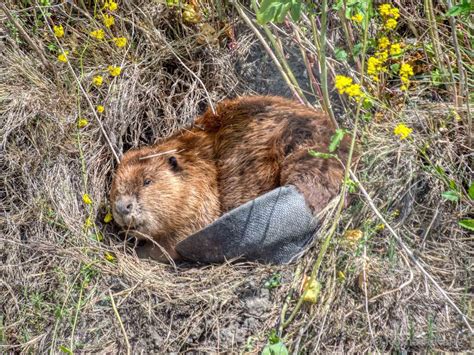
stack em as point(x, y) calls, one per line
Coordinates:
point(262, 142)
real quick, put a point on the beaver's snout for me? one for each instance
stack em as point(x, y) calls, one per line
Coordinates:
point(125, 205)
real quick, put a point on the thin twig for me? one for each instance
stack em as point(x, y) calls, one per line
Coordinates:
point(410, 253)
point(120, 322)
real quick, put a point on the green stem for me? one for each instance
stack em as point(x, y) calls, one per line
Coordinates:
point(320, 44)
point(340, 205)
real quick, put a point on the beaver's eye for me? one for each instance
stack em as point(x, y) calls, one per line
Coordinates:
point(146, 182)
point(173, 162)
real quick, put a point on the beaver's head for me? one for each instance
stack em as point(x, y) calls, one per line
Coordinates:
point(167, 190)
point(147, 186)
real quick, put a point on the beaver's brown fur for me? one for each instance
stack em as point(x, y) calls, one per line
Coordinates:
point(250, 146)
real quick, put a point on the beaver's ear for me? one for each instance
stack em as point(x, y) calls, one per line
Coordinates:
point(173, 163)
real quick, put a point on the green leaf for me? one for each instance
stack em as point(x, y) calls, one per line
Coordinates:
point(451, 195)
point(436, 78)
point(470, 191)
point(273, 282)
point(280, 17)
point(336, 139)
point(357, 49)
point(274, 346)
point(464, 9)
point(454, 11)
point(316, 154)
point(395, 68)
point(269, 14)
point(295, 11)
point(467, 223)
point(340, 54)
point(275, 349)
point(65, 350)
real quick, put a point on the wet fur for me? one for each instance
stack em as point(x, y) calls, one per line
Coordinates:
point(250, 146)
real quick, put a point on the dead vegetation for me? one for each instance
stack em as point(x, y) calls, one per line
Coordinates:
point(68, 282)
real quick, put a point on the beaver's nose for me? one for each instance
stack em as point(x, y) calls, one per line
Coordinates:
point(124, 205)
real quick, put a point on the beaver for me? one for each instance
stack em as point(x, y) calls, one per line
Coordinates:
point(247, 147)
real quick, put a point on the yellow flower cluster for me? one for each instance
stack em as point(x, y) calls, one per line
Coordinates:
point(375, 66)
point(390, 14)
point(98, 34)
point(58, 31)
point(406, 71)
point(402, 131)
point(108, 20)
point(63, 56)
point(87, 199)
point(82, 123)
point(114, 70)
point(120, 41)
point(100, 108)
point(377, 63)
point(383, 42)
point(345, 86)
point(108, 217)
point(358, 18)
point(98, 80)
point(395, 49)
point(110, 5)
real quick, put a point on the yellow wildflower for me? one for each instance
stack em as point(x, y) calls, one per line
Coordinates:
point(86, 199)
point(374, 67)
point(109, 257)
point(352, 236)
point(354, 91)
point(390, 24)
point(385, 9)
point(357, 17)
point(98, 80)
point(98, 34)
point(120, 41)
point(190, 14)
point(108, 20)
point(395, 12)
point(406, 70)
point(311, 290)
point(63, 56)
point(110, 5)
point(382, 56)
point(82, 123)
point(402, 131)
point(100, 108)
point(58, 31)
point(342, 82)
point(108, 217)
point(114, 70)
point(383, 42)
point(88, 223)
point(395, 49)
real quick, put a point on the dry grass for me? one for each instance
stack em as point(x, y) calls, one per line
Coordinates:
point(56, 282)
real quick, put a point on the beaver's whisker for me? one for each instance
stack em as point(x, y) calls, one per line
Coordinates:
point(159, 154)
